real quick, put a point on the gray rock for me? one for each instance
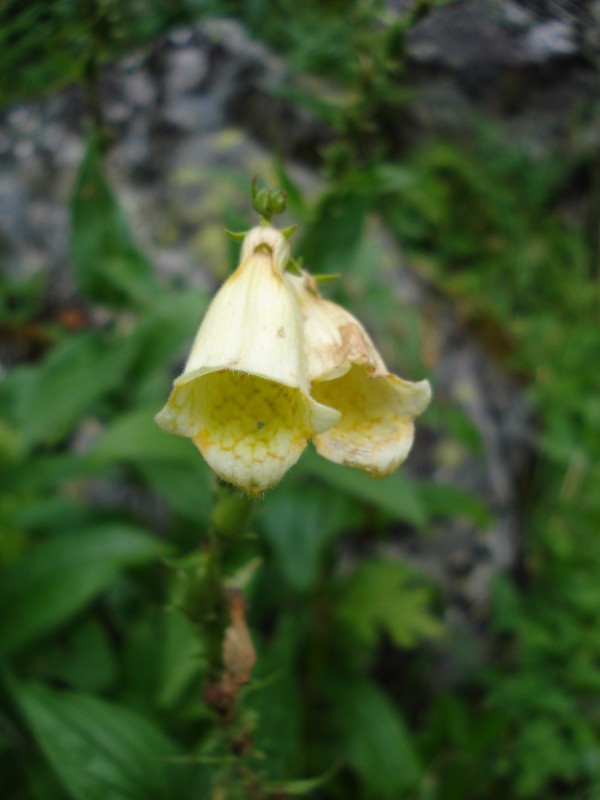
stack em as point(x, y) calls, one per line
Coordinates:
point(530, 66)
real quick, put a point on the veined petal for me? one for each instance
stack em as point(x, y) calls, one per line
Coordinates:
point(253, 324)
point(243, 397)
point(250, 430)
point(376, 430)
point(346, 372)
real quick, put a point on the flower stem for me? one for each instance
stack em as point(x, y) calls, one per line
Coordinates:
point(223, 602)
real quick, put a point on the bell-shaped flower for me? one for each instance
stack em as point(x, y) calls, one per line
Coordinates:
point(243, 396)
point(375, 432)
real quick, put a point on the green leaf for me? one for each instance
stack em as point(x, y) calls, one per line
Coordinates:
point(99, 750)
point(302, 785)
point(83, 660)
point(185, 485)
point(331, 243)
point(329, 110)
point(46, 513)
point(46, 472)
point(167, 329)
point(170, 464)
point(275, 696)
point(108, 265)
point(381, 596)
point(77, 373)
point(444, 500)
point(296, 202)
point(136, 437)
point(299, 532)
point(396, 495)
point(62, 575)
point(375, 740)
point(181, 657)
point(41, 780)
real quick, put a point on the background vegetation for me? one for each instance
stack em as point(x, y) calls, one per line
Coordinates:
point(102, 665)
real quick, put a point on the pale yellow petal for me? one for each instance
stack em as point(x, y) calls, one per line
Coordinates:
point(346, 372)
point(249, 430)
point(376, 431)
point(253, 324)
point(333, 338)
point(243, 396)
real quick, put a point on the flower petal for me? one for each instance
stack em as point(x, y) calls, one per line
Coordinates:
point(251, 431)
point(243, 396)
point(376, 430)
point(253, 324)
point(346, 372)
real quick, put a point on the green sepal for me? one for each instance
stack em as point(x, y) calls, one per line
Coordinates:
point(289, 232)
point(303, 785)
point(330, 277)
point(237, 236)
point(242, 577)
point(294, 266)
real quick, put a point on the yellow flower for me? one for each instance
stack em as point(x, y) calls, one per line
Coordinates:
point(243, 397)
point(375, 432)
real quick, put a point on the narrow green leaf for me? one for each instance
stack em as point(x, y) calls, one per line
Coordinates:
point(46, 472)
point(444, 500)
point(170, 464)
point(75, 375)
point(44, 513)
point(62, 575)
point(184, 484)
point(84, 659)
point(99, 750)
point(108, 265)
point(41, 780)
point(396, 495)
point(168, 326)
point(330, 110)
point(375, 740)
point(275, 697)
point(331, 243)
point(181, 657)
point(296, 202)
point(303, 785)
point(299, 533)
point(134, 437)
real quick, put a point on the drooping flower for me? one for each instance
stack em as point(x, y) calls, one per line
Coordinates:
point(243, 397)
point(375, 431)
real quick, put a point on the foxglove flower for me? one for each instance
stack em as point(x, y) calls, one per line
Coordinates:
point(243, 397)
point(375, 431)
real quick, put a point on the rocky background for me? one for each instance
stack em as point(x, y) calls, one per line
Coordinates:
point(201, 109)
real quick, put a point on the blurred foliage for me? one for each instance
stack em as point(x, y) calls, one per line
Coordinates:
point(101, 514)
point(45, 45)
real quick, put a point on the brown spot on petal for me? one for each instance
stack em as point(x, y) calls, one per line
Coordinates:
point(354, 344)
point(354, 347)
point(281, 332)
